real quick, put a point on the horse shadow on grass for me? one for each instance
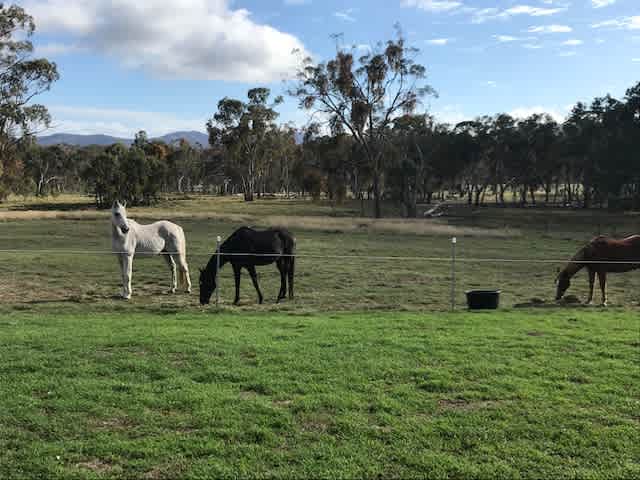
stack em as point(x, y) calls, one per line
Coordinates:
point(569, 301)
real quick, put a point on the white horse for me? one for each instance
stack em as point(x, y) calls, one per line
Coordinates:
point(129, 237)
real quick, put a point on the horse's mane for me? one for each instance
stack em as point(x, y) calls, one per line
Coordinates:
point(575, 264)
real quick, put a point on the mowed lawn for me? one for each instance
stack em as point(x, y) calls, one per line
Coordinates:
point(544, 394)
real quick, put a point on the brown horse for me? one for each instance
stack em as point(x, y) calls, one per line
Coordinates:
point(600, 256)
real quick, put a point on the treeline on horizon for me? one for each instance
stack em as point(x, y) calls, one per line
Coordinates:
point(369, 143)
point(590, 160)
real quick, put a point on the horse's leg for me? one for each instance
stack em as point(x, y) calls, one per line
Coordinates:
point(592, 279)
point(290, 272)
point(236, 275)
point(127, 261)
point(282, 268)
point(254, 279)
point(184, 272)
point(172, 266)
point(602, 276)
point(123, 293)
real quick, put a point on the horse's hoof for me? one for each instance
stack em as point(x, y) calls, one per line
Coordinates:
point(172, 291)
point(188, 291)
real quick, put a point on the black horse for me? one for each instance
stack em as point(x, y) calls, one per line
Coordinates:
point(246, 248)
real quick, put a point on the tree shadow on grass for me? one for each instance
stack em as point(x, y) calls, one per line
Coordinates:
point(53, 206)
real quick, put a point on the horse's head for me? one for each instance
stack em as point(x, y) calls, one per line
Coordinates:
point(563, 283)
point(119, 217)
point(207, 286)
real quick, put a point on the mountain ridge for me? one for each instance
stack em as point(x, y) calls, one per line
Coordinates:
point(80, 140)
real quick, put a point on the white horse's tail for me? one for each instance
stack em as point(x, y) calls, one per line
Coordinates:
point(183, 267)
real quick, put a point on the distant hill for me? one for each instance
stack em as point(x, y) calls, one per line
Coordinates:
point(80, 140)
point(192, 137)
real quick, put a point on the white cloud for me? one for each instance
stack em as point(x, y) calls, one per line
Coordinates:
point(532, 46)
point(192, 39)
point(505, 38)
point(492, 83)
point(438, 41)
point(118, 122)
point(532, 11)
point(628, 23)
point(635, 59)
point(558, 114)
point(567, 54)
point(345, 15)
point(481, 15)
point(511, 38)
point(485, 14)
point(432, 5)
point(550, 29)
point(572, 42)
point(602, 3)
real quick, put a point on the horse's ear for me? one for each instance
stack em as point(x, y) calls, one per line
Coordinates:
point(124, 204)
point(115, 204)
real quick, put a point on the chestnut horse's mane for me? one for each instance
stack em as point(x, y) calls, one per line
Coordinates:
point(575, 264)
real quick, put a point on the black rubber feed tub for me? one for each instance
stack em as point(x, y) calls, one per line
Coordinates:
point(483, 299)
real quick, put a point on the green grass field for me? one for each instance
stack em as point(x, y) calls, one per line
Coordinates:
point(533, 395)
point(364, 374)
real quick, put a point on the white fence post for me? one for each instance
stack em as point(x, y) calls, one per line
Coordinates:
point(454, 240)
point(218, 241)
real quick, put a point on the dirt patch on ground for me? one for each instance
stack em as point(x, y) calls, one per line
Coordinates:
point(535, 334)
point(317, 423)
point(95, 465)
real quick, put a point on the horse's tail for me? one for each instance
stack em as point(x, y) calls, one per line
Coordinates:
point(183, 267)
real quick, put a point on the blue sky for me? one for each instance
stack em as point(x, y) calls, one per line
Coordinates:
point(162, 65)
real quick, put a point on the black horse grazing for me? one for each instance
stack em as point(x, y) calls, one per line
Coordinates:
point(261, 248)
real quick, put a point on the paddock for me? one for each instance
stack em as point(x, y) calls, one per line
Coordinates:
point(366, 372)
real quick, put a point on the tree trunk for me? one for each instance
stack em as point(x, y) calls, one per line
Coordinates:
point(377, 208)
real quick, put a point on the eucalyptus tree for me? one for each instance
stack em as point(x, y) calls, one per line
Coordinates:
point(363, 96)
point(22, 78)
point(242, 128)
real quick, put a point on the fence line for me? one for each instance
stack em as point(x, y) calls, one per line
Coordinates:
point(337, 257)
